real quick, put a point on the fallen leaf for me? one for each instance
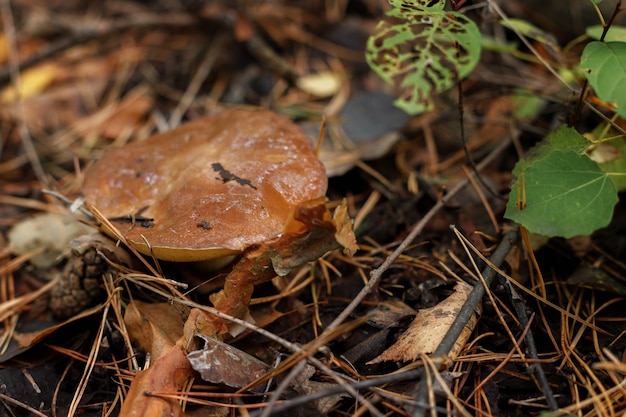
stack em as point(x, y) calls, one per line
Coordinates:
point(33, 82)
point(321, 84)
point(373, 345)
point(428, 329)
point(154, 327)
point(221, 363)
point(304, 386)
point(52, 231)
point(344, 233)
point(58, 106)
point(604, 152)
point(167, 375)
point(65, 98)
point(590, 276)
point(309, 233)
point(365, 129)
point(389, 313)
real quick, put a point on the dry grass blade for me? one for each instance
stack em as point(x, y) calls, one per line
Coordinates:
point(433, 369)
point(22, 405)
point(120, 237)
point(89, 366)
point(14, 306)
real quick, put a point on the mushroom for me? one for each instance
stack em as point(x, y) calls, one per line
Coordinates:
point(209, 188)
point(240, 182)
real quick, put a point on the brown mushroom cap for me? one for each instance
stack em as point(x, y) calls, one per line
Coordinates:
point(210, 188)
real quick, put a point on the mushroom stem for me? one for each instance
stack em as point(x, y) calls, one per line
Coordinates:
point(235, 297)
point(310, 232)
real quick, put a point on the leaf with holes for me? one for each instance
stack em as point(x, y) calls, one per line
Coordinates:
point(422, 50)
point(566, 194)
point(423, 4)
point(606, 72)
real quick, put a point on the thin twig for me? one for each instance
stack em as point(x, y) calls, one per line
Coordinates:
point(370, 383)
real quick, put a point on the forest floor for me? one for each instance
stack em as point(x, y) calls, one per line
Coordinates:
point(368, 334)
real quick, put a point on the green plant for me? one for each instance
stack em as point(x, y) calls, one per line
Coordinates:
point(559, 190)
point(566, 185)
point(423, 50)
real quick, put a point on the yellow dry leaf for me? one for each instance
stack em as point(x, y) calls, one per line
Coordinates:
point(33, 81)
point(604, 152)
point(429, 327)
point(322, 84)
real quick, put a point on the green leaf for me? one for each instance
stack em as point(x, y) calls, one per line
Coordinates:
point(526, 105)
point(564, 138)
point(422, 50)
point(489, 43)
point(531, 31)
point(606, 71)
point(615, 33)
point(567, 194)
